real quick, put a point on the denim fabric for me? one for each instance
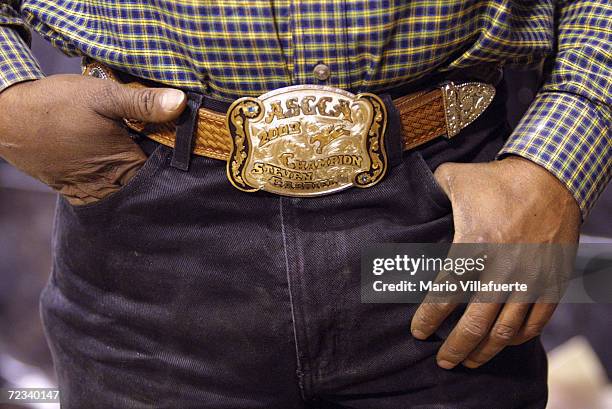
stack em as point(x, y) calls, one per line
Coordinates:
point(181, 292)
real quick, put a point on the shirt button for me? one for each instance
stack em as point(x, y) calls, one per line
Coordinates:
point(321, 72)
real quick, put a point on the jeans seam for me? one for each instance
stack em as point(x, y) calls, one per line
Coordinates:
point(300, 373)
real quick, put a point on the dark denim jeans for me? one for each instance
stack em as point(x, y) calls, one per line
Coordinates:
point(182, 292)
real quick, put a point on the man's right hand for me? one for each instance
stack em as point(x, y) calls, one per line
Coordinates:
point(67, 131)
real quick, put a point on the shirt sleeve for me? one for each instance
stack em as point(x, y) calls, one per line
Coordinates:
point(566, 130)
point(17, 63)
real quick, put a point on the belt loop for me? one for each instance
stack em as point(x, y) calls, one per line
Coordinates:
point(393, 136)
point(185, 131)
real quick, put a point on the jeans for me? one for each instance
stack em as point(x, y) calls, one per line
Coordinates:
point(180, 291)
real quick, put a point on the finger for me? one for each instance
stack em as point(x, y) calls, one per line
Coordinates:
point(151, 105)
point(436, 307)
point(504, 330)
point(538, 317)
point(429, 316)
point(467, 334)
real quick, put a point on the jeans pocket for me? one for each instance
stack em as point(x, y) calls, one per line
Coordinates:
point(434, 191)
point(153, 163)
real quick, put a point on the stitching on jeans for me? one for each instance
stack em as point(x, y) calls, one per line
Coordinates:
point(300, 374)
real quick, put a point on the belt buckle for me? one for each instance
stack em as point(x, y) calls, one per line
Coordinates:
point(307, 140)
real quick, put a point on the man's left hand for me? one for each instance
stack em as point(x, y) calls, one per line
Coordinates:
point(509, 201)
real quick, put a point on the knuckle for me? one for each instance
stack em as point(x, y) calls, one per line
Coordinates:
point(105, 95)
point(443, 168)
point(145, 102)
point(482, 238)
point(101, 99)
point(442, 171)
point(475, 326)
point(428, 313)
point(503, 333)
point(452, 353)
point(436, 308)
point(478, 237)
point(488, 236)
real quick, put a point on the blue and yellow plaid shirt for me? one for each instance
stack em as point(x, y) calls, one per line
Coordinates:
point(233, 48)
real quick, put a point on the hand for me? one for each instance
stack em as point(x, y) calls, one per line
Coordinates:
point(66, 131)
point(509, 201)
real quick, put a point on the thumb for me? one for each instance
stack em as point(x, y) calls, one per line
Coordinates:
point(442, 175)
point(144, 104)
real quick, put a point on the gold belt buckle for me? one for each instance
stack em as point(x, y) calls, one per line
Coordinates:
point(307, 140)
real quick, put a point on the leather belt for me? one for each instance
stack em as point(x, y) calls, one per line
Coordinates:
point(309, 140)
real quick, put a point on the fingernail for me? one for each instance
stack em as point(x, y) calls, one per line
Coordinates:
point(446, 365)
point(172, 99)
point(417, 333)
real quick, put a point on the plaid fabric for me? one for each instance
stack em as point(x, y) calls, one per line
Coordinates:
point(232, 48)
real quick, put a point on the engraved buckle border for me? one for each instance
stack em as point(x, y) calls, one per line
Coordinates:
point(464, 103)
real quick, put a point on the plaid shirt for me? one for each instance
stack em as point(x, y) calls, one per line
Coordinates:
point(232, 48)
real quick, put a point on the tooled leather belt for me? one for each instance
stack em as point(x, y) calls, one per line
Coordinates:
point(309, 140)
